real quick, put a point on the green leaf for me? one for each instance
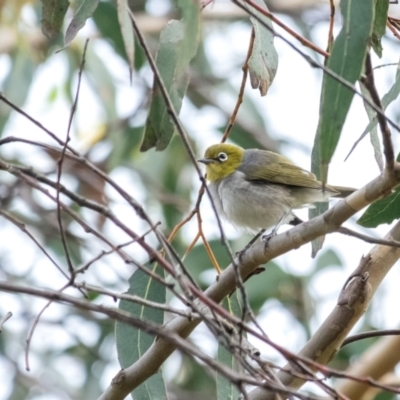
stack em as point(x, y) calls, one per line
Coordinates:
point(178, 45)
point(132, 343)
point(320, 208)
point(383, 211)
point(346, 60)
point(273, 283)
point(381, 14)
point(127, 31)
point(53, 13)
point(263, 62)
point(391, 95)
point(198, 261)
point(106, 19)
point(374, 131)
point(226, 390)
point(20, 76)
point(84, 9)
point(327, 259)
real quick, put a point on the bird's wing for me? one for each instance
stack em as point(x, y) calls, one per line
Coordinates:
point(261, 165)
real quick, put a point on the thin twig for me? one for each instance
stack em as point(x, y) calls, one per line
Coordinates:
point(8, 315)
point(331, 23)
point(370, 334)
point(239, 101)
point(206, 245)
point(326, 70)
point(305, 42)
point(369, 83)
point(135, 299)
point(34, 325)
point(21, 226)
point(392, 27)
point(177, 122)
point(366, 238)
point(60, 165)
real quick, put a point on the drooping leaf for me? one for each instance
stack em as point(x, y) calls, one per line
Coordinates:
point(84, 9)
point(327, 259)
point(226, 389)
point(20, 76)
point(106, 19)
point(390, 96)
point(347, 61)
point(374, 131)
point(263, 62)
point(272, 283)
point(127, 31)
point(53, 13)
point(132, 343)
point(178, 45)
point(320, 208)
point(383, 211)
point(381, 14)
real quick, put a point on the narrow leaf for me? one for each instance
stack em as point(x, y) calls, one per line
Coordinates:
point(53, 13)
point(374, 131)
point(383, 211)
point(84, 10)
point(226, 390)
point(320, 208)
point(132, 343)
point(263, 62)
point(381, 14)
point(346, 60)
point(127, 31)
point(390, 96)
point(20, 76)
point(178, 45)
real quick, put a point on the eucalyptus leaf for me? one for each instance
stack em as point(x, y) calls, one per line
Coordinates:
point(84, 9)
point(383, 211)
point(320, 208)
point(177, 47)
point(132, 343)
point(126, 30)
point(374, 131)
point(225, 388)
point(347, 60)
point(263, 62)
point(388, 98)
point(53, 13)
point(20, 76)
point(381, 14)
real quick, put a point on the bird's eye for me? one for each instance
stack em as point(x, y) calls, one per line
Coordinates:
point(222, 157)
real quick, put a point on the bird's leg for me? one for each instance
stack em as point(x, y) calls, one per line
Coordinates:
point(240, 253)
point(295, 221)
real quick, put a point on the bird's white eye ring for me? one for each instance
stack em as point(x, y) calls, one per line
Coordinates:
point(222, 157)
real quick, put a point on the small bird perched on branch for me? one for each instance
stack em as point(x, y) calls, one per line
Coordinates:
point(258, 189)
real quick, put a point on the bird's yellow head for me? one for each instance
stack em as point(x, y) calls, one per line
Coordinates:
point(222, 160)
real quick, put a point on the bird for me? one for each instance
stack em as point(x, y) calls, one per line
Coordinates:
point(258, 189)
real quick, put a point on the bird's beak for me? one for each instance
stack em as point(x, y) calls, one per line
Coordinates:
point(206, 160)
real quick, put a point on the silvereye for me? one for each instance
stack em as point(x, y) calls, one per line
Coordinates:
point(258, 189)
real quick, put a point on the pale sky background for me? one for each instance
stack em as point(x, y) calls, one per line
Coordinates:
point(291, 109)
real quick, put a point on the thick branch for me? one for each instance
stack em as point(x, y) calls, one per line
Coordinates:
point(352, 304)
point(250, 260)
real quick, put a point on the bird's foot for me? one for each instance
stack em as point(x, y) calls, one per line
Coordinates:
point(240, 253)
point(268, 237)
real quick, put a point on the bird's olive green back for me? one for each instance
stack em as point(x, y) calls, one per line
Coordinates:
point(262, 165)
